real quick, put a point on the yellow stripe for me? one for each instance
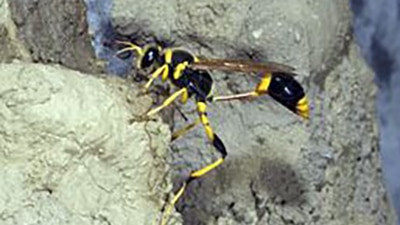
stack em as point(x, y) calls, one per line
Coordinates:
point(168, 56)
point(179, 69)
point(263, 86)
point(201, 107)
point(207, 169)
point(165, 73)
point(204, 119)
point(302, 108)
point(185, 96)
point(209, 132)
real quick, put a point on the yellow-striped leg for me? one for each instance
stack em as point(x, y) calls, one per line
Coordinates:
point(216, 142)
point(167, 102)
point(261, 89)
point(235, 97)
point(179, 133)
point(163, 71)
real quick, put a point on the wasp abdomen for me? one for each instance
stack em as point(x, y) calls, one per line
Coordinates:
point(287, 91)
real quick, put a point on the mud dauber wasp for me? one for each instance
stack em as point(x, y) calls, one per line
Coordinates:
point(189, 74)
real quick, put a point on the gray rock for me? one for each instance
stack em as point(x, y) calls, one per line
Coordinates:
point(69, 154)
point(376, 26)
point(11, 47)
point(280, 170)
point(55, 32)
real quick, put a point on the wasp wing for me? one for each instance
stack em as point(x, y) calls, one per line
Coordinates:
point(244, 66)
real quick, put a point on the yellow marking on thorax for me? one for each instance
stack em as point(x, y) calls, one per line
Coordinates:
point(168, 56)
point(179, 70)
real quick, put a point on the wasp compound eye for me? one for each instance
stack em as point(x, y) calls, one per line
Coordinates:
point(150, 57)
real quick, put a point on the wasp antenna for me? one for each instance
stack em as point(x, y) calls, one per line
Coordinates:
point(130, 47)
point(163, 43)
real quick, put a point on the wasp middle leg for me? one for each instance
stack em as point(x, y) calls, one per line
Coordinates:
point(217, 144)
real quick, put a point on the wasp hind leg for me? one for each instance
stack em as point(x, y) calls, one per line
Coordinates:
point(179, 133)
point(261, 89)
point(218, 145)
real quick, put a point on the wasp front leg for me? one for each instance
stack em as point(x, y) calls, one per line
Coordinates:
point(163, 71)
point(182, 92)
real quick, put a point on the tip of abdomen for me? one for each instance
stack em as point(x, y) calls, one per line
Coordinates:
point(302, 108)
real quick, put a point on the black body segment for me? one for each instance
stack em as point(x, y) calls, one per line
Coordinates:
point(151, 56)
point(180, 56)
point(286, 90)
point(198, 82)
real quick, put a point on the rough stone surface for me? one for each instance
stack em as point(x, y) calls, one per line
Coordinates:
point(279, 170)
point(55, 31)
point(69, 154)
point(377, 36)
point(11, 47)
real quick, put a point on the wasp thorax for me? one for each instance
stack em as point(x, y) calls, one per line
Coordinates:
point(149, 58)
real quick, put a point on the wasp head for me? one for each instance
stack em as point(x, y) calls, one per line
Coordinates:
point(150, 57)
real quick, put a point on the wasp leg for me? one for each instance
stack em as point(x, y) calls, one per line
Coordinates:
point(217, 143)
point(167, 102)
point(179, 133)
point(261, 89)
point(162, 70)
point(234, 97)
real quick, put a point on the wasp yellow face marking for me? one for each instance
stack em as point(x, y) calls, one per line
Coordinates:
point(207, 169)
point(302, 108)
point(263, 86)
